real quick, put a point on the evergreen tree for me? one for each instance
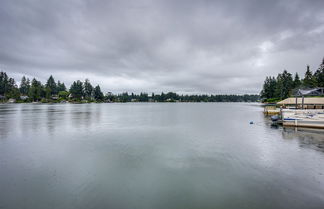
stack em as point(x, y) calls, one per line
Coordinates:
point(51, 87)
point(24, 86)
point(10, 85)
point(309, 80)
point(297, 82)
point(13, 93)
point(60, 86)
point(284, 85)
point(36, 90)
point(11, 89)
point(3, 83)
point(88, 89)
point(319, 75)
point(124, 97)
point(98, 95)
point(269, 88)
point(76, 89)
point(143, 97)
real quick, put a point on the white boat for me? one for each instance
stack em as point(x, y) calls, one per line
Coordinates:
point(312, 118)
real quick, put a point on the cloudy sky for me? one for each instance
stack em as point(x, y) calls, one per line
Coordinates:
point(187, 46)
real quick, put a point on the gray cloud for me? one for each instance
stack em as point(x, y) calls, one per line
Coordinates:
point(185, 46)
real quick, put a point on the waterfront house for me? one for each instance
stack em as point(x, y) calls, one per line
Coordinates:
point(11, 100)
point(24, 97)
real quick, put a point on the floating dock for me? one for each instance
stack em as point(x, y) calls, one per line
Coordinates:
point(271, 109)
point(310, 118)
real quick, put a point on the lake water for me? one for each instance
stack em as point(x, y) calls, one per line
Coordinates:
point(155, 155)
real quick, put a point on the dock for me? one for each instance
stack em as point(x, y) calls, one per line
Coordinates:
point(301, 111)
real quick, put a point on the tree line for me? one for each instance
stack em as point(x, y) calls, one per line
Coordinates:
point(52, 91)
point(285, 84)
point(174, 97)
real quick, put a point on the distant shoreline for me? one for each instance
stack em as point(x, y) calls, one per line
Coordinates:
point(83, 92)
point(37, 103)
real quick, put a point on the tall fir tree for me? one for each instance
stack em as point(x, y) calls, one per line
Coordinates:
point(3, 83)
point(319, 75)
point(77, 90)
point(88, 89)
point(36, 90)
point(269, 88)
point(51, 87)
point(309, 80)
point(97, 93)
point(297, 81)
point(60, 86)
point(24, 85)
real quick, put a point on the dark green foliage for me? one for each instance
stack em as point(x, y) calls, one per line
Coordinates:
point(51, 87)
point(63, 94)
point(269, 88)
point(13, 93)
point(88, 89)
point(24, 86)
point(309, 80)
point(97, 94)
point(60, 86)
point(319, 75)
point(283, 86)
point(272, 100)
point(6, 83)
point(173, 97)
point(36, 91)
point(297, 81)
point(143, 97)
point(8, 87)
point(76, 90)
point(3, 83)
point(124, 97)
point(12, 90)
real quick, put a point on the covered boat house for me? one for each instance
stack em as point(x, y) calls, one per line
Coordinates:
point(302, 101)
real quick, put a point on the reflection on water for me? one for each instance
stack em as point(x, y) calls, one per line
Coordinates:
point(195, 155)
point(309, 138)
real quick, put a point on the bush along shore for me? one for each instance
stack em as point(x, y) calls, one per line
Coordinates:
point(84, 92)
point(285, 85)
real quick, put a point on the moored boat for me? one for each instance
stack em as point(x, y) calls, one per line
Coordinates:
point(311, 118)
point(303, 111)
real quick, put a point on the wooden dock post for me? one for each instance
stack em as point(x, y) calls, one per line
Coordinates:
point(296, 103)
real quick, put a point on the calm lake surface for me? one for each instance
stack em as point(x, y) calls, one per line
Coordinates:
point(155, 155)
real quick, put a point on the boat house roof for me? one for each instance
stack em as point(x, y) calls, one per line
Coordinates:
point(310, 92)
point(307, 101)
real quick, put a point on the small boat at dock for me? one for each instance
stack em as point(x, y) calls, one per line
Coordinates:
point(310, 118)
point(302, 111)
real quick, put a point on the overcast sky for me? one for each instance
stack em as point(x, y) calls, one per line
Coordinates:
point(187, 46)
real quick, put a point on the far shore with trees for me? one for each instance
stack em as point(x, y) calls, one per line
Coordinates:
point(285, 84)
point(84, 92)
